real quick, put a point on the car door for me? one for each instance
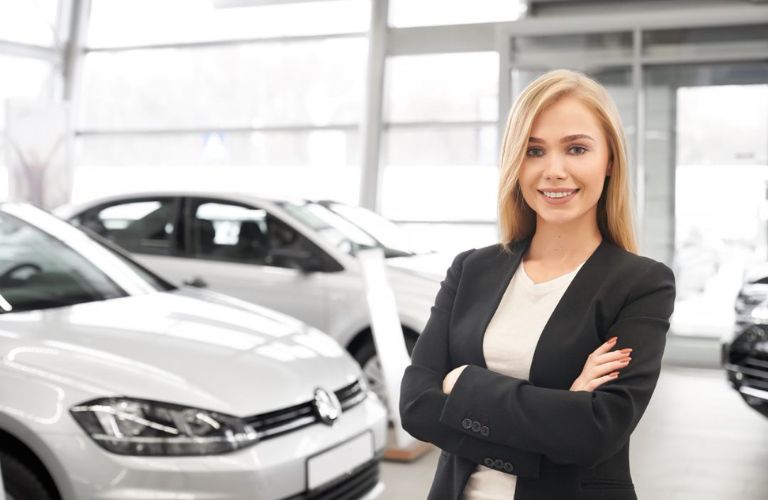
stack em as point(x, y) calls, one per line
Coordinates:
point(244, 251)
point(147, 227)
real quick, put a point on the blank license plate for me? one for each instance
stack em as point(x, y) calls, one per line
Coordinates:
point(335, 462)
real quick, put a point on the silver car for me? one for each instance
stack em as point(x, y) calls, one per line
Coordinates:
point(116, 385)
point(292, 255)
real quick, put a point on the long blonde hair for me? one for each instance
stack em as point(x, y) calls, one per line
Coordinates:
point(517, 220)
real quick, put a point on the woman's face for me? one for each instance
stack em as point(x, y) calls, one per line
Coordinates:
point(565, 163)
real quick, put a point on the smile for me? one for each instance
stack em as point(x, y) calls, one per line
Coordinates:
point(558, 197)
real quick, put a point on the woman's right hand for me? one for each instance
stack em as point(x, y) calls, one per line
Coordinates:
point(602, 366)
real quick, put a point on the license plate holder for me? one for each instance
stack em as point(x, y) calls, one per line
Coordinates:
point(333, 463)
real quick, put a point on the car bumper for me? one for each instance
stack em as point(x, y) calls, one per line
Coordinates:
point(273, 469)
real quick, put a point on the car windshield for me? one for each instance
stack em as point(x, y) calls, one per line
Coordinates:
point(41, 271)
point(334, 229)
point(388, 234)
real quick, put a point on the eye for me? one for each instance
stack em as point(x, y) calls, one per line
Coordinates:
point(534, 152)
point(577, 150)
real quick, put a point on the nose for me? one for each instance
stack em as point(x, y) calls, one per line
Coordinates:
point(555, 167)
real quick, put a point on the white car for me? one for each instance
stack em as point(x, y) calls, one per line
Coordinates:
point(295, 256)
point(116, 385)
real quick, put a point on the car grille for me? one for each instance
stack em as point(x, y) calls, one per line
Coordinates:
point(348, 487)
point(272, 424)
point(755, 371)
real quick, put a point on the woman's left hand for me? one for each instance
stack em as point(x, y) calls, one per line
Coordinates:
point(450, 379)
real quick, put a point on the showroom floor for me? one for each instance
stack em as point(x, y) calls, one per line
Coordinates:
point(697, 440)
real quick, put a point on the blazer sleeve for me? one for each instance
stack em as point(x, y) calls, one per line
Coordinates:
point(422, 399)
point(578, 427)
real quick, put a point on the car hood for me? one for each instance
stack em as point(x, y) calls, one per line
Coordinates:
point(189, 347)
point(432, 266)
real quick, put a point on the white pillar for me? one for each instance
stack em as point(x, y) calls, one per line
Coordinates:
point(370, 132)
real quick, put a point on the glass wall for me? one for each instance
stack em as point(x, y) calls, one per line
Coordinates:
point(405, 13)
point(707, 150)
point(439, 147)
point(117, 23)
point(30, 42)
point(218, 99)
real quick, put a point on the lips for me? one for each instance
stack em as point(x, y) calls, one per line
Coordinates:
point(558, 200)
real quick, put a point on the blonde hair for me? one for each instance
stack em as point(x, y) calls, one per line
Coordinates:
point(517, 220)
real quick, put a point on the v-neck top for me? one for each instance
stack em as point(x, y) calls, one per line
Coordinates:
point(508, 346)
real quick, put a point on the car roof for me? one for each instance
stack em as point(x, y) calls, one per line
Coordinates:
point(234, 195)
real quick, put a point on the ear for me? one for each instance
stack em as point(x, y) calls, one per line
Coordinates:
point(609, 170)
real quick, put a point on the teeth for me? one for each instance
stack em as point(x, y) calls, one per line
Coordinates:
point(557, 195)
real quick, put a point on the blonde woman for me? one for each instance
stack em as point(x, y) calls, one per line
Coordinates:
point(542, 352)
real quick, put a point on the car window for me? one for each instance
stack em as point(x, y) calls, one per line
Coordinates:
point(238, 233)
point(334, 229)
point(143, 226)
point(37, 271)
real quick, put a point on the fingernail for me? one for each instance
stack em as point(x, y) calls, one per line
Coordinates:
point(612, 340)
point(615, 374)
point(627, 350)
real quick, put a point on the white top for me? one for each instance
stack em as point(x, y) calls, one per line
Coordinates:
point(508, 347)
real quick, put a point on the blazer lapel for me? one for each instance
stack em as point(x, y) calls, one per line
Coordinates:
point(563, 347)
point(502, 267)
point(559, 344)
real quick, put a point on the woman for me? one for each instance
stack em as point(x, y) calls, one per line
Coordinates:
point(516, 374)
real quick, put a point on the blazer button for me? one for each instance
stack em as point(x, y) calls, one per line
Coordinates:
point(466, 423)
point(488, 462)
point(484, 430)
point(476, 426)
point(498, 464)
point(508, 467)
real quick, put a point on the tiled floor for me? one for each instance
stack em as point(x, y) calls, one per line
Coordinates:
point(697, 441)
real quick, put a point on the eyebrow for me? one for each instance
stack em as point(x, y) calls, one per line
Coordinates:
point(567, 138)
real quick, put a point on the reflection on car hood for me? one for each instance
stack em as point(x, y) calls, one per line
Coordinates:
point(429, 265)
point(190, 347)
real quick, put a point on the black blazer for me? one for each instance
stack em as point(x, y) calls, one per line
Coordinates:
point(561, 444)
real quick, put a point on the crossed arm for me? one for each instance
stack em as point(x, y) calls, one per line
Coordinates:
point(526, 421)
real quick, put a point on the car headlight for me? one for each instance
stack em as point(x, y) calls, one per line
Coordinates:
point(137, 427)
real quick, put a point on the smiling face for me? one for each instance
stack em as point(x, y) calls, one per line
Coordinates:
point(566, 162)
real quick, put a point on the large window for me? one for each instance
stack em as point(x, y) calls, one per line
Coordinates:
point(404, 13)
point(118, 23)
point(309, 83)
point(706, 144)
point(31, 22)
point(439, 144)
point(250, 114)
point(439, 147)
point(24, 79)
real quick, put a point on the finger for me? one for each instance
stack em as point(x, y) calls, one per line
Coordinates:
point(606, 368)
point(594, 384)
point(613, 355)
point(606, 346)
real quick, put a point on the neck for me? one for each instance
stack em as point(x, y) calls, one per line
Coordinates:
point(569, 243)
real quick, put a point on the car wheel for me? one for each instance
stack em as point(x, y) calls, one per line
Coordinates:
point(369, 361)
point(20, 482)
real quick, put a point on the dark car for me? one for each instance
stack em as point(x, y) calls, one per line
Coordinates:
point(754, 290)
point(745, 358)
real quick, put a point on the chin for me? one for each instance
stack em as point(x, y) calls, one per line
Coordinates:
point(558, 218)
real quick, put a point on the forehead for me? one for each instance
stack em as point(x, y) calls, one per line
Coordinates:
point(566, 116)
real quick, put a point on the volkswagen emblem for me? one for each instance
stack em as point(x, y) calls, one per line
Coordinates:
point(327, 406)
